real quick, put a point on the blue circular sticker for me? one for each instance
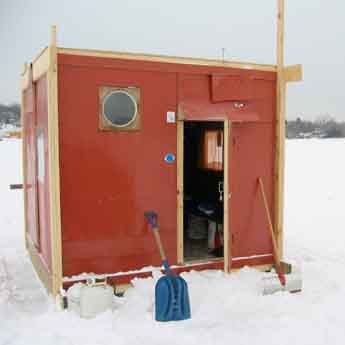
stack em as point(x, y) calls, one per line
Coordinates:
point(169, 158)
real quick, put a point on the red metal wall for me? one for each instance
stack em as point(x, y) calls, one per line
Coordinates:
point(108, 179)
point(37, 180)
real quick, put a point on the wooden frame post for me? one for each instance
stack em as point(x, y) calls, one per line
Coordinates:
point(54, 171)
point(280, 131)
point(180, 155)
point(226, 224)
point(24, 158)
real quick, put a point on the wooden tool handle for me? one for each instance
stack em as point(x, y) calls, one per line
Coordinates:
point(159, 243)
point(16, 186)
point(161, 250)
point(152, 219)
point(270, 227)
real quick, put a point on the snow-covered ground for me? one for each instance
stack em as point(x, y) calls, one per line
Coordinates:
point(226, 309)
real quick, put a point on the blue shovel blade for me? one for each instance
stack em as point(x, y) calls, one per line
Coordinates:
point(172, 299)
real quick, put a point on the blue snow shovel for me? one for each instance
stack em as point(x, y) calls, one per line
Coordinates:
point(171, 292)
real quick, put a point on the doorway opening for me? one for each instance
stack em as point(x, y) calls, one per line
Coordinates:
point(203, 185)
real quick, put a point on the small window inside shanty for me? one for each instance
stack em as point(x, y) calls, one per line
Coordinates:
point(119, 108)
point(212, 150)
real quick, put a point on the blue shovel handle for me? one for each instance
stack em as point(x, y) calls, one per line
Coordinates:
point(152, 219)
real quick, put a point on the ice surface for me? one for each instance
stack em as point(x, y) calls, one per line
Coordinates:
point(225, 309)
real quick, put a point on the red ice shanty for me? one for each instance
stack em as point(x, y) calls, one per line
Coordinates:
point(108, 136)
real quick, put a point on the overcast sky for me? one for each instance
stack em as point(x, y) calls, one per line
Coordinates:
point(315, 37)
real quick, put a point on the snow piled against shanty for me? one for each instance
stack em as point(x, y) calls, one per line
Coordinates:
point(225, 308)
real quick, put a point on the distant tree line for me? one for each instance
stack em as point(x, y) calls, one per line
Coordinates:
point(324, 126)
point(10, 114)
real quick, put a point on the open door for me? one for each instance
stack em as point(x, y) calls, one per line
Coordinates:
point(200, 194)
point(250, 154)
point(203, 188)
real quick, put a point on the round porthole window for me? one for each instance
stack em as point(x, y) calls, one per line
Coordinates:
point(120, 108)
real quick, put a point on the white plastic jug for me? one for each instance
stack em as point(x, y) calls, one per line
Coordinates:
point(89, 300)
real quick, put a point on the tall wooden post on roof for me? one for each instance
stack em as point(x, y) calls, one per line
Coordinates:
point(54, 179)
point(280, 131)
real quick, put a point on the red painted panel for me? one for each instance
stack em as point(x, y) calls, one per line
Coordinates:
point(231, 88)
point(200, 110)
point(251, 155)
point(41, 138)
point(194, 88)
point(108, 179)
point(242, 86)
point(195, 98)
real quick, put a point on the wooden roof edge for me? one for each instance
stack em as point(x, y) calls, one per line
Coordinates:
point(168, 59)
point(39, 54)
point(40, 65)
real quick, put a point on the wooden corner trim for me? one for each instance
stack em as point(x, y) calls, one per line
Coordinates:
point(54, 167)
point(280, 133)
point(292, 73)
point(40, 66)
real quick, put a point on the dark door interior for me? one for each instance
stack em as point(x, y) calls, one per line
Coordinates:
point(203, 190)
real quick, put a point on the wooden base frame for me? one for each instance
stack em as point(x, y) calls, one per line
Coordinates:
point(40, 268)
point(122, 288)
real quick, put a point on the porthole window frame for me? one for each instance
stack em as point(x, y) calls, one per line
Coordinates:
point(134, 93)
